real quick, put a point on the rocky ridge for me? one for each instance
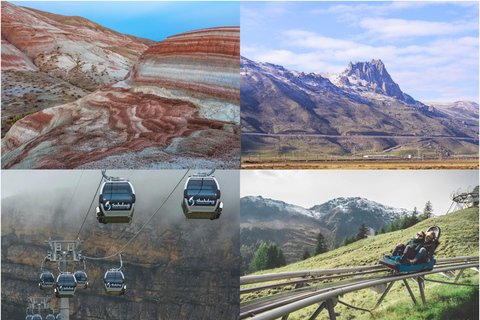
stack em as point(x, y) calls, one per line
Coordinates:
point(146, 120)
point(295, 228)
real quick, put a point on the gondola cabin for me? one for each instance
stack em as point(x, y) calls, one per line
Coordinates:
point(50, 317)
point(116, 202)
point(81, 278)
point(36, 317)
point(47, 281)
point(114, 282)
point(66, 285)
point(59, 316)
point(391, 263)
point(201, 198)
point(29, 317)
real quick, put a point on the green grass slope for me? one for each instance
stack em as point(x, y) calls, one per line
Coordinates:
point(459, 237)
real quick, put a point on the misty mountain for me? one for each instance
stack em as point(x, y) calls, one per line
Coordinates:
point(171, 267)
point(295, 228)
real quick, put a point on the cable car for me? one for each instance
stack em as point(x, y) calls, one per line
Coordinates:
point(391, 263)
point(114, 282)
point(66, 285)
point(50, 317)
point(37, 317)
point(47, 281)
point(116, 202)
point(201, 198)
point(29, 317)
point(81, 278)
point(59, 316)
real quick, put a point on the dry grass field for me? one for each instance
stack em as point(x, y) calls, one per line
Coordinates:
point(454, 164)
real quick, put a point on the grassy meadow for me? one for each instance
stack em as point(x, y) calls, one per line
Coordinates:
point(459, 237)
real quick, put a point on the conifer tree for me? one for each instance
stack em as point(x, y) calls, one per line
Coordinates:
point(321, 246)
point(362, 232)
point(381, 230)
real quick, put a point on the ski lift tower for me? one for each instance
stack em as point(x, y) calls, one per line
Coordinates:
point(462, 199)
point(59, 251)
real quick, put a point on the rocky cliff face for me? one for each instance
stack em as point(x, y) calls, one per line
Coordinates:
point(81, 53)
point(376, 76)
point(174, 269)
point(49, 60)
point(179, 105)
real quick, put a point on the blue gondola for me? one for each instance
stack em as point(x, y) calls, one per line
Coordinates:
point(47, 281)
point(29, 317)
point(37, 317)
point(114, 282)
point(116, 202)
point(59, 316)
point(81, 278)
point(201, 198)
point(50, 317)
point(397, 266)
point(66, 286)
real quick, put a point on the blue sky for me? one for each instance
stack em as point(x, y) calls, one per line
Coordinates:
point(429, 48)
point(154, 20)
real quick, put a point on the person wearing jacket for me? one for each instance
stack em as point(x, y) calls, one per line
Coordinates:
point(409, 249)
point(425, 254)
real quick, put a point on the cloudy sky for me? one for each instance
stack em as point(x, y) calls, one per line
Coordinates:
point(397, 188)
point(154, 20)
point(429, 48)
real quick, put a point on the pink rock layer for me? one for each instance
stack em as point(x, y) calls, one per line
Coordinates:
point(111, 121)
point(202, 62)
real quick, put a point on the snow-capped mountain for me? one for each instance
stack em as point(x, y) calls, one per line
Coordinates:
point(295, 228)
point(363, 100)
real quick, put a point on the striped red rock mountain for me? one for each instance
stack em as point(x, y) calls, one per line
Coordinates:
point(82, 53)
point(178, 108)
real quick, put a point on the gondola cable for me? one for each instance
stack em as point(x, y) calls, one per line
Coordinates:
point(89, 208)
point(141, 229)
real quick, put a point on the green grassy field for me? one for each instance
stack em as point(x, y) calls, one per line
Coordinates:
point(459, 238)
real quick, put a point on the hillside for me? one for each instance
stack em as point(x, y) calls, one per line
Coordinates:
point(295, 228)
point(361, 109)
point(369, 251)
point(443, 301)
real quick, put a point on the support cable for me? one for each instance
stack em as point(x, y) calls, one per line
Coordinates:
point(141, 229)
point(89, 208)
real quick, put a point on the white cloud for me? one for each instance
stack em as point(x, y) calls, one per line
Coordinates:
point(398, 28)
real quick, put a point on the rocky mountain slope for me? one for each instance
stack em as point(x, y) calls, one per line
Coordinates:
point(362, 101)
point(177, 107)
point(174, 269)
point(49, 59)
point(295, 228)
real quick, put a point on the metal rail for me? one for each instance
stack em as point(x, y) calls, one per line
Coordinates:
point(327, 296)
point(312, 273)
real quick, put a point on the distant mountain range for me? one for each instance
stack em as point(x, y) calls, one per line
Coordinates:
point(363, 100)
point(295, 228)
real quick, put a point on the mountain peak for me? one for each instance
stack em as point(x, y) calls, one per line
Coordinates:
point(376, 75)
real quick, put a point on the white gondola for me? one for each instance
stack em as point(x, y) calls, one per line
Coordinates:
point(50, 317)
point(81, 278)
point(66, 285)
point(36, 317)
point(116, 202)
point(47, 281)
point(114, 282)
point(201, 198)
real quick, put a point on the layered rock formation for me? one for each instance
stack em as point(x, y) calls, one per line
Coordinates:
point(81, 53)
point(179, 107)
